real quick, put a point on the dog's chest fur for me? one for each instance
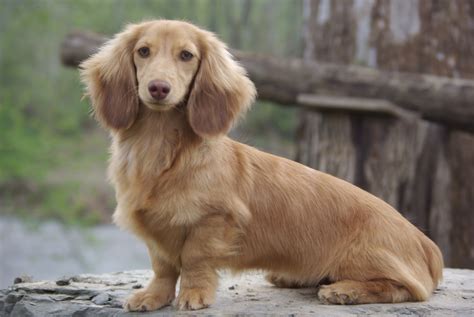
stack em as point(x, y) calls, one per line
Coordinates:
point(144, 173)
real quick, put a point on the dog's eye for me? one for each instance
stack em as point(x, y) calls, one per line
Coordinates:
point(186, 56)
point(144, 51)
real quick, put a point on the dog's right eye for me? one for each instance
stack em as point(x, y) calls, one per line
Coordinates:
point(144, 51)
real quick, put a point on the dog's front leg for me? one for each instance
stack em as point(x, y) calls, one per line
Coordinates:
point(198, 286)
point(161, 289)
point(203, 247)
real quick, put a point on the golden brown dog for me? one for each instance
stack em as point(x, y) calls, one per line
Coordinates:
point(168, 92)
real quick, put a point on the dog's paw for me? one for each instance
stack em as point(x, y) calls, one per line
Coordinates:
point(145, 300)
point(194, 298)
point(331, 295)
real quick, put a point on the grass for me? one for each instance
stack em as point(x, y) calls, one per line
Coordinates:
point(71, 187)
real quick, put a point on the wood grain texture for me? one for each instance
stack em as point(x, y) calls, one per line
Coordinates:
point(422, 168)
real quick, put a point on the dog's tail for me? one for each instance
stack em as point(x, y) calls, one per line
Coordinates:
point(421, 277)
point(433, 260)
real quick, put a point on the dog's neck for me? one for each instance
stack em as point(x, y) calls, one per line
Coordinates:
point(154, 143)
point(158, 125)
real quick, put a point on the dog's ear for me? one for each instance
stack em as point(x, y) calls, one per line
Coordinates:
point(221, 90)
point(110, 80)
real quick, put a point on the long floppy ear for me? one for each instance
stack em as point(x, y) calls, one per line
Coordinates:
point(109, 76)
point(221, 90)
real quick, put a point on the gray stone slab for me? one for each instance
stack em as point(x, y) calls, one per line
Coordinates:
point(245, 294)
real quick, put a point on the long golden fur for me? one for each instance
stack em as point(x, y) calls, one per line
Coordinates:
point(201, 201)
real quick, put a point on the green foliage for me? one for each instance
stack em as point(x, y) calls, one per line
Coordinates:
point(21, 146)
point(280, 120)
point(271, 128)
point(63, 203)
point(50, 150)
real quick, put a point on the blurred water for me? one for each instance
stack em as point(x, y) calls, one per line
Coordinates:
point(51, 250)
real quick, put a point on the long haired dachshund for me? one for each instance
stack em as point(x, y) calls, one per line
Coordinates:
point(169, 92)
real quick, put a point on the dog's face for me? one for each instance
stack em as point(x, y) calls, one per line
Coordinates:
point(161, 64)
point(166, 57)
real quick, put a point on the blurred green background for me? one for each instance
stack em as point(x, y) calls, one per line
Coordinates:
point(52, 154)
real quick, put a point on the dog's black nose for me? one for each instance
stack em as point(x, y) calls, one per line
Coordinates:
point(159, 89)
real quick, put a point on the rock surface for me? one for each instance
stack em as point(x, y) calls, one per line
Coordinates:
point(246, 294)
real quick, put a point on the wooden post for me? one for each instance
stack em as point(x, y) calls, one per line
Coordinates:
point(424, 169)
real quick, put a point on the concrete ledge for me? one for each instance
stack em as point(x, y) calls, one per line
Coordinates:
point(246, 294)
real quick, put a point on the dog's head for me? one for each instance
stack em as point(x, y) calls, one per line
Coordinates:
point(161, 65)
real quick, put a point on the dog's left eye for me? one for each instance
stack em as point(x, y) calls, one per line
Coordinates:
point(144, 51)
point(186, 56)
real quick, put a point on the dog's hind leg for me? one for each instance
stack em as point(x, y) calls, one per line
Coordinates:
point(348, 292)
point(288, 282)
point(282, 282)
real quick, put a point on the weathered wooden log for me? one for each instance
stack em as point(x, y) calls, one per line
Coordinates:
point(79, 45)
point(441, 99)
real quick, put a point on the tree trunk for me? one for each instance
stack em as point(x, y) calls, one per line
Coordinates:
point(423, 169)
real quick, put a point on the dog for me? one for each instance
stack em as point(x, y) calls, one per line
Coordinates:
point(169, 92)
